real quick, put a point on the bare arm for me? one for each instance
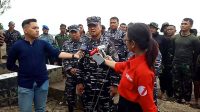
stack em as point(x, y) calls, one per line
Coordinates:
point(110, 63)
point(65, 55)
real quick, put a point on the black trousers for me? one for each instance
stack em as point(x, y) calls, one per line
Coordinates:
point(128, 106)
point(166, 80)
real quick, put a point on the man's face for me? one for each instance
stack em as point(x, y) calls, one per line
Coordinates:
point(45, 31)
point(63, 29)
point(171, 30)
point(94, 30)
point(165, 30)
point(81, 28)
point(75, 35)
point(185, 26)
point(123, 28)
point(11, 26)
point(128, 43)
point(32, 30)
point(153, 29)
point(103, 31)
point(114, 24)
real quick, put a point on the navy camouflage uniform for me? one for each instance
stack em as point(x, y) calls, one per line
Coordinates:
point(158, 70)
point(11, 38)
point(117, 36)
point(95, 76)
point(71, 46)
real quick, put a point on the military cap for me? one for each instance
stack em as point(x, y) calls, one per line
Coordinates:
point(155, 25)
point(74, 28)
point(45, 27)
point(163, 26)
point(93, 20)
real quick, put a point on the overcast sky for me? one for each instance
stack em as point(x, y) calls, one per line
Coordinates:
point(55, 12)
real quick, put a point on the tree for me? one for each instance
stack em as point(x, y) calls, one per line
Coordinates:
point(4, 5)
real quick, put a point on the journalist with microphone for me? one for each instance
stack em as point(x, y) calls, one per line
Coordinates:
point(137, 80)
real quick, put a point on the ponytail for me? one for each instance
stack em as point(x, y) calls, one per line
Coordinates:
point(141, 35)
point(152, 53)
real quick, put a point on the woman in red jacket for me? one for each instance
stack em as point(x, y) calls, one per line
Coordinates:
point(137, 80)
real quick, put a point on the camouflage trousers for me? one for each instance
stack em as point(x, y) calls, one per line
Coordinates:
point(96, 98)
point(70, 90)
point(155, 91)
point(182, 81)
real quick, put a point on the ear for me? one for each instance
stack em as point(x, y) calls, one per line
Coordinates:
point(100, 26)
point(25, 30)
point(132, 44)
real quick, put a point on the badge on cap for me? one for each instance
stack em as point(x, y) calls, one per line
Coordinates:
point(142, 90)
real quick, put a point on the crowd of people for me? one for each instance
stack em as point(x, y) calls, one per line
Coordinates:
point(136, 56)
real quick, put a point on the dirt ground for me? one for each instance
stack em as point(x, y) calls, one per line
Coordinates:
point(164, 106)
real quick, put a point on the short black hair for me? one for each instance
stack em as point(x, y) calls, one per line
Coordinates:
point(63, 25)
point(103, 27)
point(189, 19)
point(123, 24)
point(80, 25)
point(172, 26)
point(28, 21)
point(116, 18)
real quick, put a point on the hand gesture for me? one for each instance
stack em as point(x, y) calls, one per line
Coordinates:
point(79, 89)
point(109, 58)
point(73, 71)
point(78, 54)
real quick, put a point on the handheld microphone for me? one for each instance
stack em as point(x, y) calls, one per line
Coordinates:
point(99, 48)
point(98, 58)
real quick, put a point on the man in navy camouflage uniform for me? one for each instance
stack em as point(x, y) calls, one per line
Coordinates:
point(11, 36)
point(70, 65)
point(95, 79)
point(116, 35)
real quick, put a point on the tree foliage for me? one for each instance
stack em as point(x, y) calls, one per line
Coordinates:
point(4, 5)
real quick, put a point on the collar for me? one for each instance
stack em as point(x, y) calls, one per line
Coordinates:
point(185, 35)
point(62, 34)
point(29, 42)
point(137, 60)
point(113, 30)
point(96, 40)
point(75, 41)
